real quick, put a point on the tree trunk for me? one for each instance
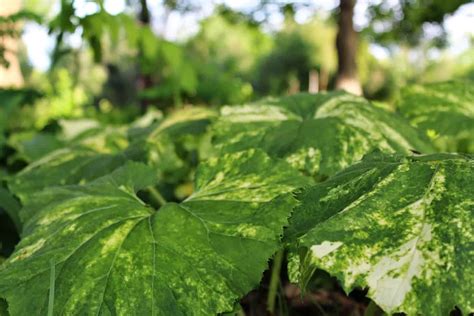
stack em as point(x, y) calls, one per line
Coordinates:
point(313, 85)
point(346, 45)
point(323, 79)
point(10, 76)
point(293, 84)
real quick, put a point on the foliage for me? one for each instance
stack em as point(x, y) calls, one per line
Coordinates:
point(404, 21)
point(444, 111)
point(9, 29)
point(11, 102)
point(65, 100)
point(291, 61)
point(180, 213)
point(347, 127)
point(297, 49)
point(96, 27)
point(238, 50)
point(400, 226)
point(170, 62)
point(105, 227)
point(162, 60)
point(225, 52)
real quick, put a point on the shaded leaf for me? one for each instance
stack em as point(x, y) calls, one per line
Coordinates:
point(11, 206)
point(3, 304)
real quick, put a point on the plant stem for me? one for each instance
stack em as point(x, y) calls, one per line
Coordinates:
point(373, 310)
point(156, 195)
point(52, 281)
point(274, 281)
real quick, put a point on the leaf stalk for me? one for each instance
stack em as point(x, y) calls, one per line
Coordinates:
point(274, 281)
point(156, 195)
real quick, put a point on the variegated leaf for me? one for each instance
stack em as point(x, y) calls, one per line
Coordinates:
point(97, 249)
point(317, 134)
point(403, 227)
point(444, 111)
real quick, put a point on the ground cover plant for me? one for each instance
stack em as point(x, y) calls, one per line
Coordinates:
point(199, 211)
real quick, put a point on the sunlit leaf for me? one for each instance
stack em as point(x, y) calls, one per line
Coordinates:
point(317, 134)
point(401, 227)
point(68, 166)
point(444, 110)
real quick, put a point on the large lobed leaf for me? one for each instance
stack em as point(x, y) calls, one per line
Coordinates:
point(403, 227)
point(443, 110)
point(68, 166)
point(97, 249)
point(317, 134)
point(93, 151)
point(30, 146)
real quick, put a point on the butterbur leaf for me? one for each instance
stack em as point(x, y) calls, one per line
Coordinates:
point(402, 227)
point(185, 121)
point(445, 111)
point(112, 254)
point(235, 179)
point(68, 166)
point(95, 151)
point(32, 146)
point(317, 134)
point(99, 138)
point(88, 151)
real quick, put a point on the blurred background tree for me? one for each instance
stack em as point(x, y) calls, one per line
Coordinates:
point(134, 54)
point(11, 14)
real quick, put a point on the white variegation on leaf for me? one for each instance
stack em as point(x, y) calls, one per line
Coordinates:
point(401, 227)
point(317, 134)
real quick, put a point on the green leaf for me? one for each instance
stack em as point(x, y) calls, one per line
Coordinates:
point(187, 120)
point(104, 252)
point(95, 151)
point(68, 166)
point(400, 226)
point(32, 146)
point(93, 135)
point(443, 110)
point(317, 134)
point(176, 144)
